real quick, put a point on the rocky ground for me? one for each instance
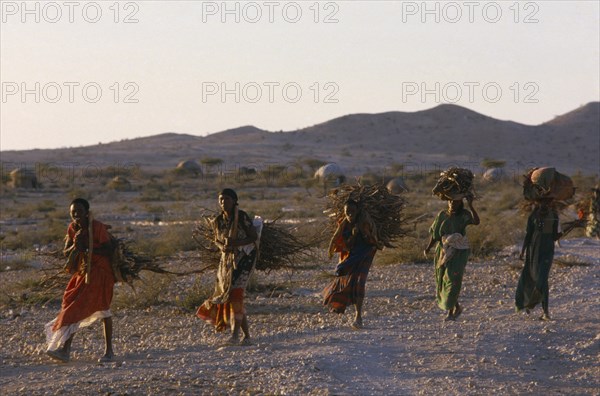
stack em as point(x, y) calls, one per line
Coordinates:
point(298, 348)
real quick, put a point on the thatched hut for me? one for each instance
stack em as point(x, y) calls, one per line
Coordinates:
point(397, 186)
point(330, 174)
point(23, 178)
point(119, 183)
point(189, 167)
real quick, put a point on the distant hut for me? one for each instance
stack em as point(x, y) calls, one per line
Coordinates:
point(493, 175)
point(189, 167)
point(397, 186)
point(22, 178)
point(119, 183)
point(330, 174)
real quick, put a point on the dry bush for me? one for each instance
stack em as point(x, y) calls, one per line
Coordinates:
point(48, 231)
point(171, 240)
point(146, 292)
point(195, 295)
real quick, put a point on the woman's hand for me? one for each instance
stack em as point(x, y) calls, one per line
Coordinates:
point(228, 245)
point(79, 241)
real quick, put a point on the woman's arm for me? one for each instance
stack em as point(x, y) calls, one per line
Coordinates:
point(476, 220)
point(334, 238)
point(556, 235)
point(251, 235)
point(69, 245)
point(429, 246)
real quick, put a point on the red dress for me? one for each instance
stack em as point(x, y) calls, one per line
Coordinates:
point(84, 303)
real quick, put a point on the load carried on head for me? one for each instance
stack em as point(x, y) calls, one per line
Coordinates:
point(454, 184)
point(547, 184)
point(383, 208)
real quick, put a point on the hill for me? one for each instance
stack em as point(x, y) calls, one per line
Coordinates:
point(423, 140)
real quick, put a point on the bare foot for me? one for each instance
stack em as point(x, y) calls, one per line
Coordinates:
point(107, 357)
point(59, 355)
point(357, 324)
point(457, 311)
point(545, 316)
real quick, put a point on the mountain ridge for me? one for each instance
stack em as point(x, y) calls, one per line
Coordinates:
point(361, 141)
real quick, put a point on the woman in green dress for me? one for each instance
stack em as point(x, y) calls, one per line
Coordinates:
point(452, 252)
point(538, 253)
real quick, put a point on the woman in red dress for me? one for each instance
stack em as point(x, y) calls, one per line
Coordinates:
point(89, 293)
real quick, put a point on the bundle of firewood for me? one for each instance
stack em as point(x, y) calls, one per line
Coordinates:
point(384, 209)
point(454, 183)
point(280, 245)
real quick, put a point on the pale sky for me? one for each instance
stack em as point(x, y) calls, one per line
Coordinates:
point(287, 68)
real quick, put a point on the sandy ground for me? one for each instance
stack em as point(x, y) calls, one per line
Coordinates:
point(298, 348)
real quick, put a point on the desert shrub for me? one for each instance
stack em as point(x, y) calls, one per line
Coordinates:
point(171, 240)
point(210, 161)
point(492, 163)
point(195, 295)
point(33, 292)
point(146, 292)
point(49, 231)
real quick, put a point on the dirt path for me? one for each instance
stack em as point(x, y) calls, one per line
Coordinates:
point(405, 348)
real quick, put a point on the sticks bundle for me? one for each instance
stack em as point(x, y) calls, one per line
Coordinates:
point(384, 208)
point(454, 183)
point(127, 264)
point(280, 245)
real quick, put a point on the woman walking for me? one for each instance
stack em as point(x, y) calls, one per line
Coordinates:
point(235, 236)
point(89, 293)
point(538, 253)
point(356, 241)
point(452, 252)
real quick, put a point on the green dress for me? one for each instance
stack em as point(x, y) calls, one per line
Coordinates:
point(542, 231)
point(448, 278)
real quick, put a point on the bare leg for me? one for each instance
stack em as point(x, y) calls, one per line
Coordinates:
point(245, 328)
point(546, 314)
point(108, 349)
point(358, 318)
point(246, 331)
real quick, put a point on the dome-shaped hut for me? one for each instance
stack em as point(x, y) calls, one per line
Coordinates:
point(22, 178)
point(330, 173)
point(493, 174)
point(397, 186)
point(189, 167)
point(119, 183)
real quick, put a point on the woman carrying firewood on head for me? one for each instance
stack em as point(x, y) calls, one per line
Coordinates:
point(356, 241)
point(89, 293)
point(452, 251)
point(235, 236)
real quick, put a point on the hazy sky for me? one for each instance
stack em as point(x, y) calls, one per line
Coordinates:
point(75, 73)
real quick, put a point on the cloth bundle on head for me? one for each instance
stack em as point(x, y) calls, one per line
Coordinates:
point(228, 192)
point(547, 183)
